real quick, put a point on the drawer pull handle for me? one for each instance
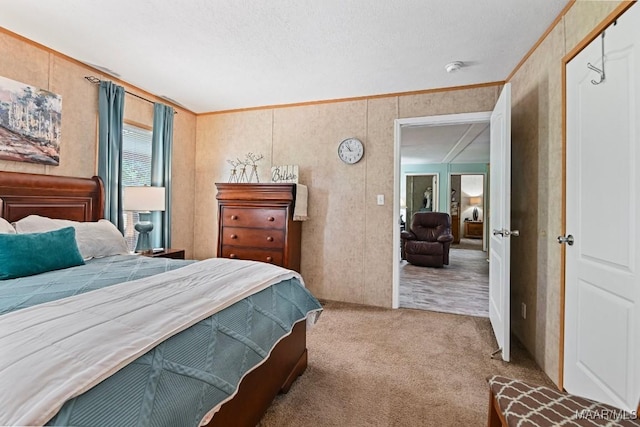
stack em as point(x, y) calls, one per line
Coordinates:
point(269, 239)
point(269, 259)
point(233, 236)
point(234, 217)
point(233, 256)
point(270, 218)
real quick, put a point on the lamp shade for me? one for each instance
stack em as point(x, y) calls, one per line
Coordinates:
point(143, 199)
point(474, 201)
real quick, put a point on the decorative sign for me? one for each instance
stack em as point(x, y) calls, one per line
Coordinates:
point(30, 121)
point(284, 173)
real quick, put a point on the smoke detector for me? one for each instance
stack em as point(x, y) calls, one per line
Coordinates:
point(454, 66)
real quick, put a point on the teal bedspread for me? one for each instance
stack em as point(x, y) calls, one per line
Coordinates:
point(180, 380)
point(95, 274)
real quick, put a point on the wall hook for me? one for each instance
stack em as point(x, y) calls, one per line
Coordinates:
point(596, 69)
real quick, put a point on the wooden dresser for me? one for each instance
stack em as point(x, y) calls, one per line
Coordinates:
point(255, 222)
point(473, 229)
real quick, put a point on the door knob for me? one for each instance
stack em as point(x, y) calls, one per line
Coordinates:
point(566, 239)
point(506, 233)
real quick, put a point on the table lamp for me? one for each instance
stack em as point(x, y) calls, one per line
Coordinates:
point(475, 202)
point(144, 200)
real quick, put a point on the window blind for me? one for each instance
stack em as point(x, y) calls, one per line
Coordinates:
point(136, 170)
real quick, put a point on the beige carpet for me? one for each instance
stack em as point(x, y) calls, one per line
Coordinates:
point(382, 367)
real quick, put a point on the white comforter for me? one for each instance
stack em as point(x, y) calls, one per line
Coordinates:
point(52, 352)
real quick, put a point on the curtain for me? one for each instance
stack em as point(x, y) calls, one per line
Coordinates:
point(111, 108)
point(162, 142)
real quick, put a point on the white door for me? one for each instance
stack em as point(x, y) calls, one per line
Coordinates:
point(602, 286)
point(500, 221)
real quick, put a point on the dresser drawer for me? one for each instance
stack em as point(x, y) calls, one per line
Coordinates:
point(253, 217)
point(260, 237)
point(264, 255)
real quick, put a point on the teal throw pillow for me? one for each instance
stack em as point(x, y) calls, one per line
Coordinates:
point(33, 253)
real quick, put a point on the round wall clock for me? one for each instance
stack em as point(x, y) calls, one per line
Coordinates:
point(351, 150)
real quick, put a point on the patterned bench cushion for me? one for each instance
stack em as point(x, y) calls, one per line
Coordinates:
point(526, 405)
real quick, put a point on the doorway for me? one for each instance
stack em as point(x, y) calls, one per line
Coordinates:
point(467, 209)
point(470, 265)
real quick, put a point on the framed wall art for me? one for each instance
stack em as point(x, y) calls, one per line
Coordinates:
point(30, 122)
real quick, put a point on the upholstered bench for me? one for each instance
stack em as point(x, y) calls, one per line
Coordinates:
point(515, 403)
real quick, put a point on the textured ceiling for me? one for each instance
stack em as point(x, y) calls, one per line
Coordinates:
point(213, 55)
point(467, 143)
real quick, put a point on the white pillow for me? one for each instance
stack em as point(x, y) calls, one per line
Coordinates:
point(5, 227)
point(95, 239)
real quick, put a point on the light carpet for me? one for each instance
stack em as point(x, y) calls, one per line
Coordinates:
point(398, 368)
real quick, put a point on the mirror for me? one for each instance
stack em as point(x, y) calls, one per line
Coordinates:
point(421, 195)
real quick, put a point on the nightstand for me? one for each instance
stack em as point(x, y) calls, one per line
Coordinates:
point(168, 253)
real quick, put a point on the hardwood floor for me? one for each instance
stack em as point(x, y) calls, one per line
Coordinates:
point(462, 287)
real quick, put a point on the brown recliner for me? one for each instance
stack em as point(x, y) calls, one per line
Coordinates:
point(427, 242)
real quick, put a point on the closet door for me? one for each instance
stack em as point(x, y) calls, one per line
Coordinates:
point(602, 286)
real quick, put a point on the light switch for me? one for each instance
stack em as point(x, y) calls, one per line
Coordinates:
point(380, 199)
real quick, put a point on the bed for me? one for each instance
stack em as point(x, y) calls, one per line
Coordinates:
point(268, 365)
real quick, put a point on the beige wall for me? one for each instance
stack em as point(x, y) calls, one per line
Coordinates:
point(347, 246)
point(34, 65)
point(537, 184)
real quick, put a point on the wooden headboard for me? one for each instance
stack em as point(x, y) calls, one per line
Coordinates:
point(61, 197)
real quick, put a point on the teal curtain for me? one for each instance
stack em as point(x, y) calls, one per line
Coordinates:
point(162, 143)
point(111, 109)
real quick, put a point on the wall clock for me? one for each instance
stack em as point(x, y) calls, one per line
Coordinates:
point(351, 150)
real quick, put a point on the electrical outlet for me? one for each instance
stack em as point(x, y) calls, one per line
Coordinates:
point(523, 310)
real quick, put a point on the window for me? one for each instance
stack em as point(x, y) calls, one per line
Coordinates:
point(136, 170)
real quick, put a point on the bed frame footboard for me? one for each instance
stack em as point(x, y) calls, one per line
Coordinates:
point(287, 361)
